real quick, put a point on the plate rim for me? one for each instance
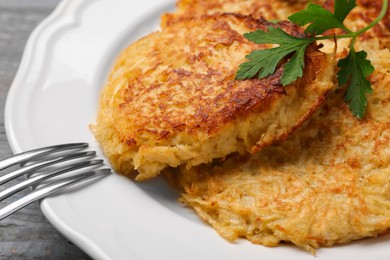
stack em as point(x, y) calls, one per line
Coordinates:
point(59, 13)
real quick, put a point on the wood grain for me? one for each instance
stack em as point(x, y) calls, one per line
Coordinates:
point(26, 234)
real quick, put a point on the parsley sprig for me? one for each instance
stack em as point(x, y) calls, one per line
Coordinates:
point(353, 70)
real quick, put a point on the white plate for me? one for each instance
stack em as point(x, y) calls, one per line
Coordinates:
point(54, 99)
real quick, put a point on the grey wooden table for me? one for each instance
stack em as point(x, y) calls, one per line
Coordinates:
point(26, 234)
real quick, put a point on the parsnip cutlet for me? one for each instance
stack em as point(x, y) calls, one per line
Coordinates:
point(328, 183)
point(172, 99)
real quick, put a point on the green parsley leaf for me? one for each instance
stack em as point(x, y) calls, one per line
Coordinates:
point(264, 62)
point(294, 67)
point(342, 8)
point(355, 68)
point(319, 19)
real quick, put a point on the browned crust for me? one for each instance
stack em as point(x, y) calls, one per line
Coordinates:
point(172, 97)
point(212, 110)
point(254, 8)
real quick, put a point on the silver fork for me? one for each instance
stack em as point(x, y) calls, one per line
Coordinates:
point(48, 170)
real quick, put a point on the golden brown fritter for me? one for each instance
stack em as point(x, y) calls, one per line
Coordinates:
point(328, 183)
point(172, 98)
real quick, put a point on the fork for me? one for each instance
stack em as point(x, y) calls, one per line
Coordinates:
point(48, 170)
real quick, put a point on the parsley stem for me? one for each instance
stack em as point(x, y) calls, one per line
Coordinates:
point(352, 45)
point(355, 34)
point(373, 23)
point(346, 29)
point(348, 35)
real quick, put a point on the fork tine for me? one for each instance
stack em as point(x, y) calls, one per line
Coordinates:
point(39, 165)
point(44, 176)
point(50, 189)
point(26, 156)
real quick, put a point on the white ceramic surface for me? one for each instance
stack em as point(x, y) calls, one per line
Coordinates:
point(53, 99)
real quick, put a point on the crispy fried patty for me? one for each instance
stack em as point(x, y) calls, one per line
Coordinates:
point(172, 99)
point(328, 183)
